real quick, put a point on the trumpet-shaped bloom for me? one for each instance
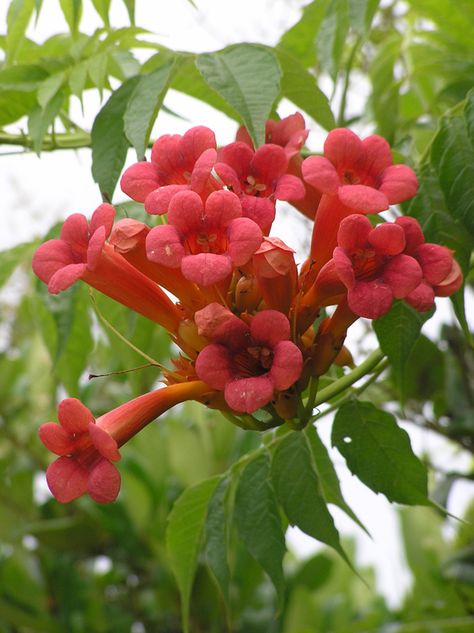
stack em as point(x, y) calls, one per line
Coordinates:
point(442, 275)
point(371, 264)
point(248, 363)
point(82, 253)
point(204, 241)
point(360, 172)
point(258, 178)
point(60, 263)
point(289, 133)
point(275, 269)
point(88, 447)
point(86, 454)
point(173, 159)
point(353, 176)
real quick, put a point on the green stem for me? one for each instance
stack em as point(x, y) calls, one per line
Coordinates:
point(51, 142)
point(349, 379)
point(341, 117)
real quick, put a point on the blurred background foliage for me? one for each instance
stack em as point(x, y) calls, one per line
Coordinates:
point(404, 69)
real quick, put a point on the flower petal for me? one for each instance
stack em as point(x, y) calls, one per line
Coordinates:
point(222, 207)
point(186, 212)
point(158, 201)
point(421, 298)
point(206, 269)
point(246, 395)
point(103, 484)
point(104, 216)
point(403, 274)
point(370, 299)
point(74, 416)
point(75, 231)
point(287, 365)
point(387, 238)
point(451, 283)
point(237, 156)
point(436, 262)
point(260, 210)
point(51, 257)
point(94, 250)
point(139, 180)
point(321, 174)
point(65, 277)
point(244, 238)
point(214, 365)
point(343, 148)
point(269, 327)
point(413, 234)
point(377, 155)
point(67, 479)
point(363, 199)
point(269, 163)
point(344, 268)
point(399, 183)
point(163, 246)
point(353, 232)
point(56, 438)
point(289, 187)
point(104, 443)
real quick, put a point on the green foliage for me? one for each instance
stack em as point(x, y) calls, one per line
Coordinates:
point(379, 453)
point(248, 78)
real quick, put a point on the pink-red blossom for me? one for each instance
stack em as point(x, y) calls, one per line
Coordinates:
point(442, 275)
point(206, 241)
point(258, 178)
point(248, 363)
point(371, 264)
point(173, 159)
point(60, 263)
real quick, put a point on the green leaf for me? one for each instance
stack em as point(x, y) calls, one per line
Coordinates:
point(130, 6)
point(18, 17)
point(103, 7)
point(379, 453)
point(183, 537)
point(217, 539)
point(452, 156)
point(97, 70)
point(12, 258)
point(14, 105)
point(49, 88)
point(397, 332)
point(361, 14)
point(109, 144)
point(143, 106)
point(189, 80)
point(72, 11)
point(78, 77)
point(297, 487)
point(247, 76)
point(384, 100)
point(327, 475)
point(300, 86)
point(300, 40)
point(40, 120)
point(332, 36)
point(258, 520)
point(23, 77)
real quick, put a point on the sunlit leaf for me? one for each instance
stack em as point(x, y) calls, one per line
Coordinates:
point(103, 7)
point(397, 332)
point(258, 520)
point(300, 87)
point(332, 36)
point(300, 40)
point(184, 535)
point(72, 11)
point(41, 119)
point(18, 17)
point(298, 490)
point(143, 106)
point(109, 144)
point(327, 476)
point(379, 453)
point(248, 78)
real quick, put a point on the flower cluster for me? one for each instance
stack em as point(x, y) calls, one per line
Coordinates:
point(231, 295)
